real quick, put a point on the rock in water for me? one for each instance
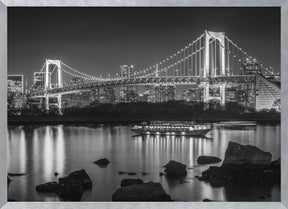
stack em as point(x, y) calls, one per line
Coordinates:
point(206, 200)
point(175, 169)
point(243, 165)
point(83, 178)
point(70, 191)
point(239, 154)
point(80, 176)
point(149, 191)
point(128, 182)
point(208, 159)
point(102, 162)
point(132, 173)
point(47, 187)
point(69, 188)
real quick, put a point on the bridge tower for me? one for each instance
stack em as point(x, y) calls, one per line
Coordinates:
point(207, 71)
point(57, 63)
point(48, 81)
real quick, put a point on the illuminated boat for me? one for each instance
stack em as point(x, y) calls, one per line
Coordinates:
point(177, 128)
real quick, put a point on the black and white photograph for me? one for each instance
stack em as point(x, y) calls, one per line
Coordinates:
point(145, 104)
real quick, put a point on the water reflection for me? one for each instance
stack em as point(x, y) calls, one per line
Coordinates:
point(40, 151)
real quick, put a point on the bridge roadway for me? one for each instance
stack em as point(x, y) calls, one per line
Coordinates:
point(177, 80)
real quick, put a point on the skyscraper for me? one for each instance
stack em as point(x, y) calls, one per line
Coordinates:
point(15, 90)
point(109, 95)
point(162, 93)
point(128, 93)
point(38, 80)
point(15, 84)
point(251, 66)
point(127, 71)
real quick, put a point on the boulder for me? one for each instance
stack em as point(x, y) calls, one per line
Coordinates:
point(175, 169)
point(81, 176)
point(149, 191)
point(239, 154)
point(208, 159)
point(128, 182)
point(206, 200)
point(243, 165)
point(71, 190)
point(47, 187)
point(102, 162)
point(132, 173)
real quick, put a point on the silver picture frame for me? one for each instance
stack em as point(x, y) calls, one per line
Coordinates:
point(4, 4)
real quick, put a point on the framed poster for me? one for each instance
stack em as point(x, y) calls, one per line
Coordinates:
point(143, 104)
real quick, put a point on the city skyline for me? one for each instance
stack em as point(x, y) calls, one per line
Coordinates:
point(31, 39)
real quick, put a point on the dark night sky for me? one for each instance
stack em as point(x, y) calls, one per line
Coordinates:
point(99, 40)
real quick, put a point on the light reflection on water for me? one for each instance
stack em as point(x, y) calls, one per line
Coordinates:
point(39, 151)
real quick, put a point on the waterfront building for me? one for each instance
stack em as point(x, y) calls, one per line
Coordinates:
point(127, 71)
point(150, 93)
point(251, 66)
point(76, 80)
point(38, 80)
point(160, 93)
point(108, 95)
point(128, 93)
point(192, 95)
point(15, 84)
point(15, 88)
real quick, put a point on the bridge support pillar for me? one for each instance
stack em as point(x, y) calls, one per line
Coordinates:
point(59, 101)
point(206, 92)
point(47, 103)
point(222, 94)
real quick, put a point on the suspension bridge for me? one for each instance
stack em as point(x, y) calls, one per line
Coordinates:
point(211, 60)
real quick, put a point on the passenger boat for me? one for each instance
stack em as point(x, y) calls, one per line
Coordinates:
point(177, 128)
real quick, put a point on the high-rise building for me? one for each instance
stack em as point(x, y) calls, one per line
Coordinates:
point(128, 93)
point(38, 80)
point(76, 80)
point(15, 88)
point(127, 71)
point(251, 66)
point(109, 95)
point(170, 92)
point(161, 93)
point(192, 95)
point(15, 84)
point(150, 93)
